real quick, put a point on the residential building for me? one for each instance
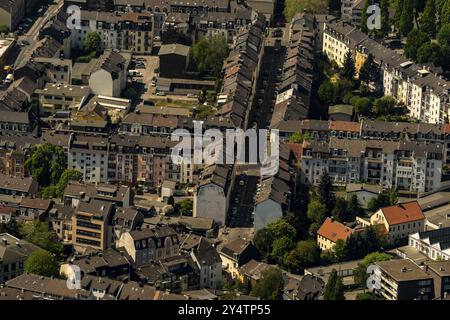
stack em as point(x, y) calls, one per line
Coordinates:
point(108, 77)
point(213, 191)
point(126, 31)
point(209, 263)
point(90, 225)
point(404, 280)
point(237, 253)
point(14, 150)
point(55, 97)
point(364, 192)
point(11, 12)
point(330, 232)
point(18, 186)
point(75, 192)
point(149, 244)
point(400, 220)
point(13, 255)
point(433, 243)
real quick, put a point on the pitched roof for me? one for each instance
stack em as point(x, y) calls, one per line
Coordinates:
point(403, 212)
point(174, 48)
point(334, 230)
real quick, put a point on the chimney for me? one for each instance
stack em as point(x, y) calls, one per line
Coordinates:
point(404, 269)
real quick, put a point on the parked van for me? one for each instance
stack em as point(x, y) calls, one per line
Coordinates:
point(9, 79)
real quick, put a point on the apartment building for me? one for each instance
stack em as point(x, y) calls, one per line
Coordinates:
point(54, 97)
point(75, 192)
point(237, 253)
point(58, 70)
point(128, 31)
point(213, 191)
point(400, 220)
point(403, 280)
point(108, 76)
point(414, 166)
point(90, 225)
point(89, 155)
point(150, 244)
point(422, 90)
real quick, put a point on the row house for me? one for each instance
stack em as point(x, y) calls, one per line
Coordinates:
point(14, 150)
point(413, 166)
point(418, 87)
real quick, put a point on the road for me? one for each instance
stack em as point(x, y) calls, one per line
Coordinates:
point(242, 202)
point(33, 33)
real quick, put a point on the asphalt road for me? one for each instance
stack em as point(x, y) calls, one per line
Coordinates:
point(242, 201)
point(32, 34)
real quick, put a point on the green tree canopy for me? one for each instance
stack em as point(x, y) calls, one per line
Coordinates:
point(299, 137)
point(46, 164)
point(42, 263)
point(317, 211)
point(327, 92)
point(334, 290)
point(443, 35)
point(364, 17)
point(369, 72)
point(384, 105)
point(92, 42)
point(185, 207)
point(305, 254)
point(291, 7)
point(363, 105)
point(270, 286)
point(427, 20)
point(209, 54)
point(325, 191)
point(385, 23)
point(360, 275)
point(414, 41)
point(348, 71)
point(407, 18)
point(40, 234)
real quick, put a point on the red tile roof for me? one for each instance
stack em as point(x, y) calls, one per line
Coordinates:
point(403, 213)
point(334, 230)
point(347, 126)
point(297, 150)
point(447, 128)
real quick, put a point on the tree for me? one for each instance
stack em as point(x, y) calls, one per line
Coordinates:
point(429, 52)
point(92, 42)
point(209, 54)
point(363, 105)
point(327, 92)
point(291, 7)
point(46, 164)
point(414, 41)
point(443, 35)
point(299, 137)
point(428, 19)
point(185, 207)
point(444, 16)
point(39, 234)
point(270, 286)
point(325, 191)
point(385, 24)
point(42, 263)
point(367, 296)
point(334, 7)
point(10, 227)
point(334, 290)
point(369, 72)
point(339, 211)
point(364, 27)
point(348, 70)
point(398, 12)
point(353, 208)
point(340, 250)
point(384, 105)
point(360, 274)
point(304, 255)
point(67, 176)
point(263, 241)
point(281, 248)
point(317, 211)
point(380, 201)
point(407, 18)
